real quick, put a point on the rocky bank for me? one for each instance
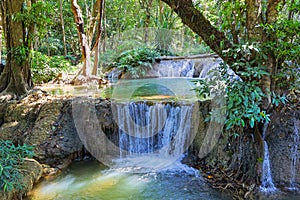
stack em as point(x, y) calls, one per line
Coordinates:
point(46, 122)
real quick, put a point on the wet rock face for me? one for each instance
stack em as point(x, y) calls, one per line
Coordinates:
point(63, 143)
point(46, 122)
point(284, 146)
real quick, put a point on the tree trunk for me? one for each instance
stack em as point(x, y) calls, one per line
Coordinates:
point(96, 60)
point(253, 19)
point(0, 37)
point(99, 15)
point(99, 11)
point(104, 29)
point(86, 55)
point(194, 19)
point(267, 82)
point(63, 26)
point(147, 5)
point(15, 80)
point(161, 12)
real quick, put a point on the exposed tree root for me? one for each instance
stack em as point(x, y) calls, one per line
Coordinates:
point(226, 179)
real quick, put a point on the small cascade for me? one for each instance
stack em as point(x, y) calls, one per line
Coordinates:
point(113, 76)
point(208, 71)
point(180, 68)
point(267, 184)
point(207, 68)
point(294, 156)
point(153, 135)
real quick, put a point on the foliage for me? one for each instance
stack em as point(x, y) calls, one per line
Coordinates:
point(21, 54)
point(136, 61)
point(45, 68)
point(202, 89)
point(38, 14)
point(11, 157)
point(276, 99)
point(244, 96)
point(286, 48)
point(244, 102)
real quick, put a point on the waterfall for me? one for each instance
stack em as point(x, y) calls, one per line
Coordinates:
point(294, 156)
point(208, 71)
point(154, 135)
point(267, 184)
point(180, 68)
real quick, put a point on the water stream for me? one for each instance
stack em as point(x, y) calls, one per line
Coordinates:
point(294, 155)
point(181, 68)
point(267, 184)
point(91, 180)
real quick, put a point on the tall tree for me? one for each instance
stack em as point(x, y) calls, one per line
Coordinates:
point(98, 15)
point(62, 26)
point(1, 36)
point(146, 5)
point(15, 80)
point(89, 40)
point(85, 49)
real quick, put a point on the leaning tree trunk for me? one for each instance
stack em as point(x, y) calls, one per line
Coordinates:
point(15, 80)
point(197, 22)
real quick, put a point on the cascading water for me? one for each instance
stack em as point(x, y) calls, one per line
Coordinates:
point(294, 152)
point(155, 135)
point(180, 68)
point(267, 184)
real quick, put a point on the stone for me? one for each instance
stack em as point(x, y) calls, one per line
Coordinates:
point(31, 172)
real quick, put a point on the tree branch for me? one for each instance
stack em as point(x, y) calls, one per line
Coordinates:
point(193, 18)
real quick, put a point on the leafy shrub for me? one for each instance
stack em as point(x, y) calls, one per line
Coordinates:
point(244, 97)
point(45, 68)
point(11, 157)
point(136, 61)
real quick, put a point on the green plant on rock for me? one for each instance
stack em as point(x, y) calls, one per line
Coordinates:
point(11, 157)
point(136, 61)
